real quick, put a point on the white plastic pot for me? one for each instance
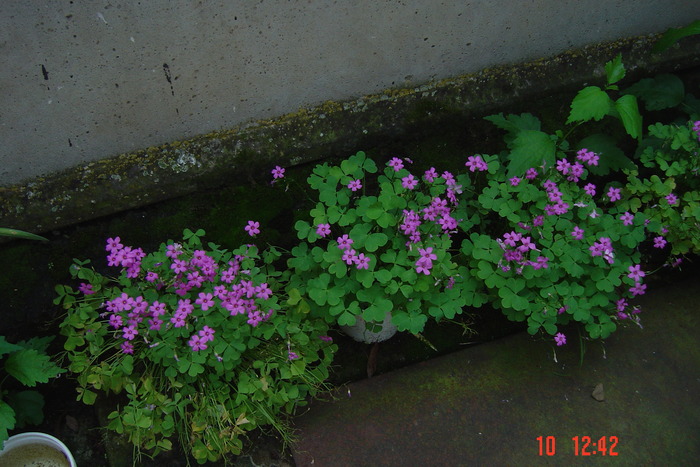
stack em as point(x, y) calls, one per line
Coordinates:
point(360, 333)
point(34, 450)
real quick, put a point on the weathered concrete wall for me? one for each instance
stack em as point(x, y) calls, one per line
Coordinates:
point(85, 80)
point(109, 106)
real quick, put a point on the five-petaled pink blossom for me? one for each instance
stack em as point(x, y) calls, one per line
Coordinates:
point(659, 242)
point(614, 194)
point(560, 339)
point(355, 185)
point(253, 228)
point(277, 172)
point(409, 182)
point(396, 164)
point(323, 229)
point(627, 218)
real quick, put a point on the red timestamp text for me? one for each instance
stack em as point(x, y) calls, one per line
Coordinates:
point(582, 445)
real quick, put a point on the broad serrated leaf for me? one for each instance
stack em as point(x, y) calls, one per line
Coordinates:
point(591, 103)
point(7, 420)
point(615, 70)
point(29, 407)
point(514, 123)
point(7, 347)
point(658, 93)
point(530, 148)
point(671, 36)
point(628, 110)
point(30, 367)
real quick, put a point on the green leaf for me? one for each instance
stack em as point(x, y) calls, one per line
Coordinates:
point(673, 35)
point(530, 148)
point(28, 406)
point(612, 158)
point(303, 228)
point(21, 234)
point(346, 319)
point(515, 123)
point(658, 93)
point(294, 296)
point(7, 420)
point(30, 367)
point(615, 70)
point(628, 110)
point(591, 103)
point(7, 347)
point(375, 241)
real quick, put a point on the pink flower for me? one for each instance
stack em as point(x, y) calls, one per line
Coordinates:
point(659, 242)
point(638, 289)
point(589, 189)
point(409, 182)
point(396, 164)
point(621, 304)
point(430, 175)
point(253, 228)
point(614, 194)
point(127, 347)
point(349, 256)
point(560, 339)
point(627, 218)
point(129, 332)
point(86, 288)
point(207, 334)
point(197, 343)
point(323, 229)
point(205, 301)
point(326, 338)
point(476, 163)
point(344, 242)
point(515, 181)
point(277, 172)
point(531, 173)
point(672, 199)
point(355, 185)
point(114, 244)
point(427, 253)
point(563, 166)
point(636, 272)
point(424, 265)
point(362, 261)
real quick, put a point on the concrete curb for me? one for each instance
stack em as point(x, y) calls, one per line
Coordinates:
point(136, 179)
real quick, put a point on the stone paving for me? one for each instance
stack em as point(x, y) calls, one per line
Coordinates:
point(509, 401)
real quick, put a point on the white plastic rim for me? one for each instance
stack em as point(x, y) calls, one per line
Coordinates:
point(360, 333)
point(24, 439)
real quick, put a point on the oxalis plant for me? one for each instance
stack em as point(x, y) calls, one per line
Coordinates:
point(380, 242)
point(563, 224)
point(198, 341)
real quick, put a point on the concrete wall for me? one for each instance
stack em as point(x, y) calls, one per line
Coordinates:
point(85, 80)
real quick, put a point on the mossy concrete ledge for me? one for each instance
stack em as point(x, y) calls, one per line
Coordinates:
point(250, 151)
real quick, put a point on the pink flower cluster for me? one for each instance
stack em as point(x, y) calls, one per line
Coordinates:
point(696, 129)
point(350, 256)
point(519, 246)
point(125, 257)
point(554, 196)
point(476, 163)
point(603, 247)
point(133, 316)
